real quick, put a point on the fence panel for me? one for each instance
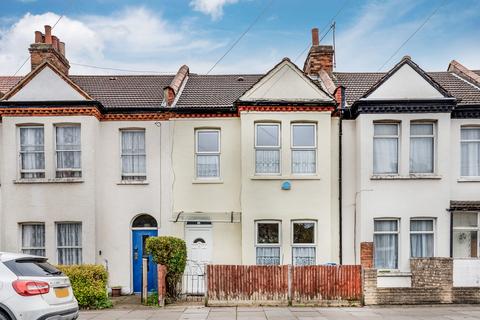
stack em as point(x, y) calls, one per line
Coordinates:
point(228, 284)
point(313, 284)
point(321, 285)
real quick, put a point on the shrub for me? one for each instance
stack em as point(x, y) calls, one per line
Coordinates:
point(89, 284)
point(172, 253)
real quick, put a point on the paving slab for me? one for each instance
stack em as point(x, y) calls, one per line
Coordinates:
point(449, 312)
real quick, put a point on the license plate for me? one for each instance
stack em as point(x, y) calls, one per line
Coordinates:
point(61, 292)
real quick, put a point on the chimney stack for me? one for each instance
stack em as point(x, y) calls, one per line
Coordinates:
point(320, 57)
point(48, 47)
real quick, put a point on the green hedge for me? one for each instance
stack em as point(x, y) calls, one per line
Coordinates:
point(170, 252)
point(89, 283)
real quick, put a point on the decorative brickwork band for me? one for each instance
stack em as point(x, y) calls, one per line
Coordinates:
point(366, 255)
point(289, 108)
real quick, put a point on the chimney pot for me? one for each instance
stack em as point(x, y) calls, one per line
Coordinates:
point(48, 34)
point(61, 47)
point(315, 41)
point(55, 43)
point(38, 37)
point(320, 57)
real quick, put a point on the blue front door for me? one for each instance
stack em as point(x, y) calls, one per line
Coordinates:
point(139, 238)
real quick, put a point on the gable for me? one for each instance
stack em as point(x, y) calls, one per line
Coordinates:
point(46, 85)
point(285, 83)
point(405, 83)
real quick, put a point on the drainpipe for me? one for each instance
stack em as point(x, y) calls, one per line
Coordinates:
point(159, 125)
point(450, 211)
point(340, 133)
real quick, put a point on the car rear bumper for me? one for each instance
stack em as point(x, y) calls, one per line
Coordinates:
point(69, 314)
point(36, 308)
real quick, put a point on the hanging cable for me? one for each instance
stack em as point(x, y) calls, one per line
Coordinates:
point(241, 36)
point(121, 70)
point(329, 23)
point(414, 33)
point(26, 60)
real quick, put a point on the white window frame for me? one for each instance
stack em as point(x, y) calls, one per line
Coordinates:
point(22, 248)
point(389, 232)
point(270, 245)
point(467, 127)
point(208, 153)
point(21, 170)
point(277, 147)
point(122, 154)
point(477, 229)
point(56, 150)
point(304, 148)
point(434, 226)
point(434, 142)
point(68, 247)
point(304, 245)
point(397, 136)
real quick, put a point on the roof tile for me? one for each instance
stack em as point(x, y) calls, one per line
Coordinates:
point(358, 83)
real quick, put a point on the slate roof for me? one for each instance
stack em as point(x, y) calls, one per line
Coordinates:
point(221, 91)
point(358, 83)
point(210, 91)
point(145, 91)
point(465, 205)
point(6, 83)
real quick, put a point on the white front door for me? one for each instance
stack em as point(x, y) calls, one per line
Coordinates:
point(199, 253)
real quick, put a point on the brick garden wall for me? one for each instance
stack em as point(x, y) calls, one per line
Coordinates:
point(432, 283)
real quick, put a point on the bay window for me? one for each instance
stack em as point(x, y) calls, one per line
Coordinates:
point(304, 148)
point(133, 155)
point(207, 151)
point(32, 152)
point(267, 242)
point(470, 151)
point(33, 239)
point(422, 145)
point(421, 238)
point(267, 148)
point(303, 242)
point(68, 151)
point(69, 243)
point(385, 148)
point(385, 243)
point(465, 234)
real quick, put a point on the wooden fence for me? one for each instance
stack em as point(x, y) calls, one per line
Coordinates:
point(283, 285)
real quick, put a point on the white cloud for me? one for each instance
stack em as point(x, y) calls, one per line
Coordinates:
point(382, 26)
point(213, 8)
point(134, 38)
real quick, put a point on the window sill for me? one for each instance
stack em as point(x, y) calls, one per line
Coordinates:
point(141, 183)
point(305, 177)
point(409, 177)
point(467, 179)
point(393, 273)
point(207, 181)
point(54, 180)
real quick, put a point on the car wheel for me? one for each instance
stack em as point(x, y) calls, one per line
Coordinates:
point(3, 316)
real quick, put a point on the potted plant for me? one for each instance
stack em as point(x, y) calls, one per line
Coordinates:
point(116, 291)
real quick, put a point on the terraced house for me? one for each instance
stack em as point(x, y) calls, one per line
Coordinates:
point(243, 167)
point(410, 164)
point(295, 166)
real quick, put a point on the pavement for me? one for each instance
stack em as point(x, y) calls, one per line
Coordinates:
point(440, 312)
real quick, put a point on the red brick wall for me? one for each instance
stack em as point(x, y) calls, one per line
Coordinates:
point(366, 255)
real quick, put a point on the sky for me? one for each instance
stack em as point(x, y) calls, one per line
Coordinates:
point(158, 36)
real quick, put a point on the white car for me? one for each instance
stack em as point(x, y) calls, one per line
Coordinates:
point(33, 289)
